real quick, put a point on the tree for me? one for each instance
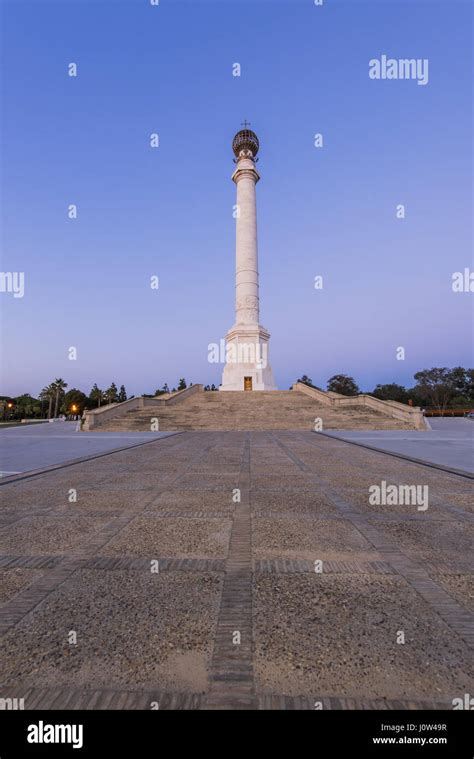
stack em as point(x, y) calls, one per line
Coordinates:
point(59, 386)
point(25, 406)
point(436, 383)
point(391, 392)
point(96, 396)
point(343, 384)
point(182, 384)
point(111, 395)
point(76, 398)
point(122, 396)
point(306, 380)
point(418, 396)
point(462, 381)
point(163, 390)
point(470, 384)
point(7, 407)
point(458, 380)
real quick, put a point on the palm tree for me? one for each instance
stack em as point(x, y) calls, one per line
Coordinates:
point(47, 393)
point(59, 386)
point(43, 396)
point(96, 395)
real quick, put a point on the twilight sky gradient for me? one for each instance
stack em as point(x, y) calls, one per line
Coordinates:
point(168, 211)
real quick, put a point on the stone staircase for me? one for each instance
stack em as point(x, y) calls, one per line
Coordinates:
point(272, 410)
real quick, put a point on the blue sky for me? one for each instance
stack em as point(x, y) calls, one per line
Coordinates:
point(168, 211)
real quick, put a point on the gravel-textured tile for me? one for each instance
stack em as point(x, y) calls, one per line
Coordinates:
point(115, 501)
point(184, 501)
point(309, 539)
point(296, 503)
point(134, 629)
point(338, 635)
point(48, 534)
point(155, 537)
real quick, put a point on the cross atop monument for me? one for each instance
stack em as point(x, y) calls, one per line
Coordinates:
point(245, 123)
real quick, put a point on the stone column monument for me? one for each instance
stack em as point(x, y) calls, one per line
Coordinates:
point(247, 366)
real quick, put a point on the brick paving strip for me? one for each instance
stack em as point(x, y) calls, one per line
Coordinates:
point(387, 518)
point(232, 676)
point(278, 566)
point(294, 566)
point(103, 698)
point(114, 698)
point(26, 600)
point(457, 618)
point(306, 703)
point(149, 511)
point(8, 561)
point(110, 563)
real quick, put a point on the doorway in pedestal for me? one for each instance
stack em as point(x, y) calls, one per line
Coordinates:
point(247, 383)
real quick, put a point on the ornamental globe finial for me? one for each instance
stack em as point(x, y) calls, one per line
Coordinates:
point(245, 143)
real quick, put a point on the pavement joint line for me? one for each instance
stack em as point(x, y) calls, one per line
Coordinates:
point(30, 597)
point(81, 460)
point(412, 459)
point(231, 679)
point(441, 602)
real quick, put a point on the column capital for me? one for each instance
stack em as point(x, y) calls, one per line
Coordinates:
point(245, 168)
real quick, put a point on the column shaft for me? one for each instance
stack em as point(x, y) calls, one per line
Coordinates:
point(246, 278)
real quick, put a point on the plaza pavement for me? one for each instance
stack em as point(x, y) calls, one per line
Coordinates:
point(449, 442)
point(29, 447)
point(186, 572)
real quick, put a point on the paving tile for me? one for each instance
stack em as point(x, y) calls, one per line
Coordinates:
point(151, 536)
point(235, 615)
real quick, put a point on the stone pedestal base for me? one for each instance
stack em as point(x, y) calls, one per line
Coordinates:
point(247, 366)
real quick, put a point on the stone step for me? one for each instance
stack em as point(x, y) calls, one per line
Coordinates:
point(267, 410)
